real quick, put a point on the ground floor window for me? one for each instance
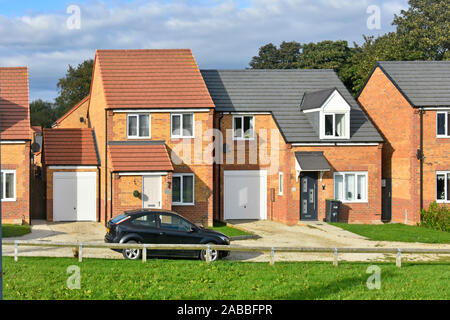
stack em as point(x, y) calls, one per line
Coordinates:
point(351, 186)
point(443, 186)
point(8, 185)
point(183, 189)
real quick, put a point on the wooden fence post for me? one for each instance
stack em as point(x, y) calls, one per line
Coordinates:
point(80, 252)
point(336, 258)
point(144, 254)
point(272, 257)
point(208, 254)
point(16, 251)
point(399, 258)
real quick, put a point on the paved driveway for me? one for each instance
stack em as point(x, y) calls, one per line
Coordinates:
point(317, 234)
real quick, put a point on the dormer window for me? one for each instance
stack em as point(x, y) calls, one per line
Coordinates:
point(335, 126)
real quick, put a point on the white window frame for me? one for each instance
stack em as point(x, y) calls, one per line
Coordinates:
point(346, 124)
point(445, 186)
point(181, 135)
point(181, 176)
point(243, 133)
point(3, 181)
point(137, 125)
point(280, 183)
point(344, 186)
point(446, 135)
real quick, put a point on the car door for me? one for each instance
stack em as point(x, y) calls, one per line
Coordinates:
point(146, 226)
point(176, 230)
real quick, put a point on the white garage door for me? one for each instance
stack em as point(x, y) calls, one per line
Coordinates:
point(74, 196)
point(245, 195)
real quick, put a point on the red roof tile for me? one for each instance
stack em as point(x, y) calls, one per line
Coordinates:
point(14, 104)
point(152, 79)
point(70, 147)
point(68, 113)
point(139, 157)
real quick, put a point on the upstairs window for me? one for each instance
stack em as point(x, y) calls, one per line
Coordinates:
point(443, 124)
point(182, 125)
point(335, 125)
point(243, 127)
point(8, 185)
point(138, 126)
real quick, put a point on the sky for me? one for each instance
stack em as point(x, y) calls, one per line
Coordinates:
point(223, 34)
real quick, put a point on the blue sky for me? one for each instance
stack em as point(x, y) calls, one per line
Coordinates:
point(221, 33)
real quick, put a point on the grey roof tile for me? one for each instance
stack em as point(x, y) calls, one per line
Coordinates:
point(281, 93)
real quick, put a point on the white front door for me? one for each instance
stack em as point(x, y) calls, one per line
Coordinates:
point(151, 192)
point(74, 196)
point(245, 195)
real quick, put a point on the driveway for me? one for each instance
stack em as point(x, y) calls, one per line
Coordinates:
point(314, 234)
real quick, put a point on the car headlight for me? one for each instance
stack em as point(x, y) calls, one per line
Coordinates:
point(225, 239)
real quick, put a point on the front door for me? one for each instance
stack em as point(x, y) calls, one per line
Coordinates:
point(151, 192)
point(386, 202)
point(308, 196)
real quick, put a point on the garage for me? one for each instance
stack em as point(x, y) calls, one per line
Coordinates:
point(245, 195)
point(74, 196)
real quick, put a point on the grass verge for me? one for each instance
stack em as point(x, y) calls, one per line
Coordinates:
point(223, 280)
point(228, 230)
point(397, 232)
point(11, 230)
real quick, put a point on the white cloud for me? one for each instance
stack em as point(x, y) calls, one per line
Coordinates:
point(222, 34)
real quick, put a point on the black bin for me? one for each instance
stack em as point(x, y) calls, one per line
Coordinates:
point(332, 210)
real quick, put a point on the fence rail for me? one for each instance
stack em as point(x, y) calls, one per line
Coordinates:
point(209, 247)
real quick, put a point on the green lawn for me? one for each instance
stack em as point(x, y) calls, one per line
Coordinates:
point(46, 278)
point(397, 232)
point(229, 231)
point(11, 230)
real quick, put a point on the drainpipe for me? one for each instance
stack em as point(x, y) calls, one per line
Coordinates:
point(106, 167)
point(422, 157)
point(220, 171)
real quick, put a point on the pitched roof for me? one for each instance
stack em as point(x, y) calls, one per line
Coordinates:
point(152, 79)
point(76, 107)
point(139, 156)
point(423, 83)
point(281, 92)
point(14, 104)
point(314, 100)
point(70, 147)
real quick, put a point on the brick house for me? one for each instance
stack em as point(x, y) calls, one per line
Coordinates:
point(409, 102)
point(15, 145)
point(146, 114)
point(292, 139)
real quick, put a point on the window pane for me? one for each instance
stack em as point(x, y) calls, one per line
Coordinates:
point(441, 124)
point(148, 220)
point(188, 125)
point(144, 125)
point(132, 126)
point(361, 191)
point(9, 185)
point(448, 186)
point(340, 125)
point(280, 182)
point(248, 127)
point(176, 189)
point(1, 185)
point(338, 187)
point(188, 189)
point(238, 127)
point(329, 125)
point(350, 187)
point(440, 192)
point(176, 125)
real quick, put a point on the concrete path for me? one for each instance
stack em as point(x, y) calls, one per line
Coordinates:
point(314, 234)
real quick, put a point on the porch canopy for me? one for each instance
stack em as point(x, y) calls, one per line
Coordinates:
point(139, 156)
point(311, 161)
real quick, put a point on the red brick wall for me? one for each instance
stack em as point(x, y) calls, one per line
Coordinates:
point(17, 157)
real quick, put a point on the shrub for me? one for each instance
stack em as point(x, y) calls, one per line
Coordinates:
point(436, 217)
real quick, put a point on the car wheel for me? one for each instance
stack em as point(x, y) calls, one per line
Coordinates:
point(214, 254)
point(132, 254)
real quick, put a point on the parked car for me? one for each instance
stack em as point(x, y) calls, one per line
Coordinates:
point(163, 227)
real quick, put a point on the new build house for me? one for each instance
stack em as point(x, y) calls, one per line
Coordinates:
point(409, 102)
point(15, 141)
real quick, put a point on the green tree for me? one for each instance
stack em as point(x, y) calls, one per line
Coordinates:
point(74, 86)
point(42, 113)
point(270, 57)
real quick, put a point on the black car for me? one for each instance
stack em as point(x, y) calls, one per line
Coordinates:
point(163, 227)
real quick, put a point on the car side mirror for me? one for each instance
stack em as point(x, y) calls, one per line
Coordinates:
point(192, 229)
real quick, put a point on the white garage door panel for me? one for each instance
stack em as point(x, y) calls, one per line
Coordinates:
point(245, 195)
point(74, 196)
